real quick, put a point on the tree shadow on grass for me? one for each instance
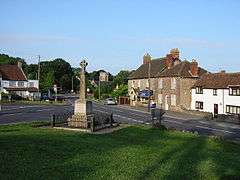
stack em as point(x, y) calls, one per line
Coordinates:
point(71, 155)
point(49, 153)
point(177, 163)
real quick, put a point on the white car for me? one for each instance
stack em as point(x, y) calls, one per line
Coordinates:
point(110, 101)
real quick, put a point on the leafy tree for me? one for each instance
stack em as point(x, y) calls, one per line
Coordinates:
point(32, 70)
point(5, 59)
point(121, 91)
point(121, 78)
point(47, 81)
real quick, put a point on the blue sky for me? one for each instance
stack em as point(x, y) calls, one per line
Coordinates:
point(114, 35)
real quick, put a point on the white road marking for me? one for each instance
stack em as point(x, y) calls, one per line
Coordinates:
point(213, 129)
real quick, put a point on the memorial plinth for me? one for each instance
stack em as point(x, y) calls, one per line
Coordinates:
point(82, 108)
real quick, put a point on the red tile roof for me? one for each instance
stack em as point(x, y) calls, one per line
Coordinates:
point(12, 72)
point(180, 70)
point(218, 80)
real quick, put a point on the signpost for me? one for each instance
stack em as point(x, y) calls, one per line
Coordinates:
point(55, 90)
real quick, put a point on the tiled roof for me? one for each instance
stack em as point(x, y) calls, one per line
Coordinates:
point(218, 80)
point(157, 65)
point(158, 69)
point(12, 72)
point(180, 70)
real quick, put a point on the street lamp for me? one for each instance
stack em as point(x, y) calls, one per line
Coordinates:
point(149, 79)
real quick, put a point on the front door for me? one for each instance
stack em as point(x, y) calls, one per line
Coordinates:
point(215, 110)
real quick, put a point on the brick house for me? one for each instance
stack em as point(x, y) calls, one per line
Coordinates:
point(217, 93)
point(14, 81)
point(171, 81)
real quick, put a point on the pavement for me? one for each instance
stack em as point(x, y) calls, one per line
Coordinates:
point(124, 114)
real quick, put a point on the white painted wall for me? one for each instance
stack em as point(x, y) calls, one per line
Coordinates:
point(34, 82)
point(208, 99)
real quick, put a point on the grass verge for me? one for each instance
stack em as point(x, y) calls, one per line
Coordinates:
point(136, 152)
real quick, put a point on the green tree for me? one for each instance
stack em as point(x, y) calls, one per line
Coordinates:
point(121, 91)
point(121, 78)
point(47, 81)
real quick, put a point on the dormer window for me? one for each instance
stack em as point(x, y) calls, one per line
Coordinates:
point(234, 91)
point(199, 90)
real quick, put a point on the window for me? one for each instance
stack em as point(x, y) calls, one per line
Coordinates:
point(233, 109)
point(20, 84)
point(160, 83)
point(147, 84)
point(31, 84)
point(199, 105)
point(133, 83)
point(234, 91)
point(12, 83)
point(159, 98)
point(139, 81)
point(215, 92)
point(173, 99)
point(199, 90)
point(173, 83)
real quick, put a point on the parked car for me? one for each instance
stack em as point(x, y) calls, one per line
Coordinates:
point(110, 101)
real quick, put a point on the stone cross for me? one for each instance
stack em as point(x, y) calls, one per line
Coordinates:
point(82, 92)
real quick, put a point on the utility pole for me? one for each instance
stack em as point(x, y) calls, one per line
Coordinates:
point(99, 89)
point(39, 74)
point(149, 86)
point(72, 84)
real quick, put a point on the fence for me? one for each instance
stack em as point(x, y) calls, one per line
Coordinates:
point(101, 120)
point(98, 120)
point(61, 118)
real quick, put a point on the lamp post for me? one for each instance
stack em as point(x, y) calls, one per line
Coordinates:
point(149, 79)
point(99, 88)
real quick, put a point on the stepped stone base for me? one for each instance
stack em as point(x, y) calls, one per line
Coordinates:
point(78, 120)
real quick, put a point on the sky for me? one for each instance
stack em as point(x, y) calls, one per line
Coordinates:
point(114, 35)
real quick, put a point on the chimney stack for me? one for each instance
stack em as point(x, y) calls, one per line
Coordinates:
point(194, 68)
point(169, 61)
point(175, 53)
point(146, 58)
point(19, 64)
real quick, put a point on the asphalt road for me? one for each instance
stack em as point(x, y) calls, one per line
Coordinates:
point(27, 113)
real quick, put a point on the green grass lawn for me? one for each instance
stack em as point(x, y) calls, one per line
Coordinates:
point(136, 152)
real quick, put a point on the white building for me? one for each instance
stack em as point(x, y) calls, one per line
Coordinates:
point(217, 93)
point(14, 81)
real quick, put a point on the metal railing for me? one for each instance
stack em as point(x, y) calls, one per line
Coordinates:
point(97, 120)
point(61, 118)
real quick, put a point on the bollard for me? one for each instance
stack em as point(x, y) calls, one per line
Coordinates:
point(53, 120)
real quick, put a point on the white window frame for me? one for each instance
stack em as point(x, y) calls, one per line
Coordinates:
point(160, 83)
point(160, 100)
point(173, 100)
point(173, 83)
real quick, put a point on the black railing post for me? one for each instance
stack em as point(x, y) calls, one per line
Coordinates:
point(53, 120)
point(92, 123)
point(111, 120)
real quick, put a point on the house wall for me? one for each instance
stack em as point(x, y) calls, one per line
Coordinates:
point(8, 84)
point(34, 83)
point(185, 98)
point(182, 93)
point(142, 84)
point(208, 99)
point(164, 94)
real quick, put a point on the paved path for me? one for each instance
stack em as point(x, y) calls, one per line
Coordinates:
point(27, 113)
